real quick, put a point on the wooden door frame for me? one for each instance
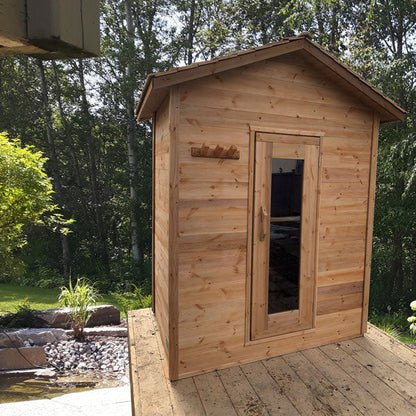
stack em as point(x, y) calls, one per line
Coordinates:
point(252, 144)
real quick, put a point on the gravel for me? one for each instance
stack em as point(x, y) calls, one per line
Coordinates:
point(109, 356)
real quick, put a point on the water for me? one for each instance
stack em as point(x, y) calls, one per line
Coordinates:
point(21, 387)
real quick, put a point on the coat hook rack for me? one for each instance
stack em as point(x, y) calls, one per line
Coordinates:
point(219, 152)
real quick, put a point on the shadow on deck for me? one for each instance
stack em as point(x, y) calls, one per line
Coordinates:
point(370, 375)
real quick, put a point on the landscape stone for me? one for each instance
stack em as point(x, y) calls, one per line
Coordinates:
point(31, 336)
point(45, 373)
point(10, 340)
point(104, 331)
point(102, 315)
point(12, 358)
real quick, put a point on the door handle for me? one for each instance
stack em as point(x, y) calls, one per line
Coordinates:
point(263, 220)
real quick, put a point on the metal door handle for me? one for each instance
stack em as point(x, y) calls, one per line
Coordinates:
point(263, 220)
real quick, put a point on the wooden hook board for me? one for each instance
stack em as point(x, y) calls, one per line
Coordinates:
point(219, 152)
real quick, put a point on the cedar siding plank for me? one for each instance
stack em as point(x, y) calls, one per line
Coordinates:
point(204, 226)
point(213, 112)
point(354, 377)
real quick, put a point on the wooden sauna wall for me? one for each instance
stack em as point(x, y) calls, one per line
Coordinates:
point(290, 93)
point(161, 220)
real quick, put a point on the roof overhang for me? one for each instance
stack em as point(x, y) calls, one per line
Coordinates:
point(157, 85)
point(50, 29)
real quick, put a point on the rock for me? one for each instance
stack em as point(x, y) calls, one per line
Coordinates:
point(105, 332)
point(10, 339)
point(12, 359)
point(45, 373)
point(101, 315)
point(104, 315)
point(31, 336)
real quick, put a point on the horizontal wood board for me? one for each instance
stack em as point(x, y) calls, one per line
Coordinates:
point(285, 93)
point(369, 375)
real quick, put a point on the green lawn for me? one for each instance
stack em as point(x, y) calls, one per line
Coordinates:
point(11, 296)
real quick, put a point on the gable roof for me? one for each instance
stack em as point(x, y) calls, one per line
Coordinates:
point(157, 85)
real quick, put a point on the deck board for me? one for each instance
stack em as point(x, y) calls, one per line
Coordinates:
point(370, 375)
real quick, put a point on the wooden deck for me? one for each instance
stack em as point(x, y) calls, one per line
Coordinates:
point(370, 375)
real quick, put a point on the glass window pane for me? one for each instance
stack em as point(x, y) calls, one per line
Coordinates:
point(285, 229)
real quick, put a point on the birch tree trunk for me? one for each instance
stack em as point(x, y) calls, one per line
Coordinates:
point(54, 163)
point(92, 167)
point(131, 141)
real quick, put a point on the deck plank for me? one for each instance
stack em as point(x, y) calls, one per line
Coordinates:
point(245, 399)
point(391, 344)
point(154, 394)
point(378, 388)
point(295, 389)
point(185, 398)
point(335, 402)
point(268, 390)
point(393, 379)
point(389, 358)
point(370, 375)
point(132, 321)
point(346, 384)
point(213, 395)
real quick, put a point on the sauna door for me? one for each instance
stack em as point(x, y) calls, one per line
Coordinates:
point(285, 181)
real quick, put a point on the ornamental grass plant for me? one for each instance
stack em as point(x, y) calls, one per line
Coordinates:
point(78, 299)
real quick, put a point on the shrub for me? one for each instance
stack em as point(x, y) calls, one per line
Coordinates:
point(78, 298)
point(24, 317)
point(133, 300)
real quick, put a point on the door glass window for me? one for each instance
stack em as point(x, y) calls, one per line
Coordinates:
point(285, 233)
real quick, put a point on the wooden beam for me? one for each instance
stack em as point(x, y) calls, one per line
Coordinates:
point(173, 232)
point(370, 221)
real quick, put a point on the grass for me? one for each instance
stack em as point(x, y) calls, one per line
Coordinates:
point(395, 325)
point(11, 296)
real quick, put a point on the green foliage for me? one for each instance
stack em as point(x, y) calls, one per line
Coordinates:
point(78, 299)
point(394, 324)
point(39, 298)
point(133, 300)
point(23, 317)
point(86, 125)
point(25, 196)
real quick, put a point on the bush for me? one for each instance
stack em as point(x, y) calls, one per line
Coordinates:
point(24, 317)
point(133, 300)
point(78, 298)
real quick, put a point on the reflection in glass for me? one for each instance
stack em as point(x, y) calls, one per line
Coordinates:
point(285, 229)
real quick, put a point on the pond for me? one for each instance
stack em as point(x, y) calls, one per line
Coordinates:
point(25, 386)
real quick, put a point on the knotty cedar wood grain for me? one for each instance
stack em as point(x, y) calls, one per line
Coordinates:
point(161, 253)
point(288, 93)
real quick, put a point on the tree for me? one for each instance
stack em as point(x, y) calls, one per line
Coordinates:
point(25, 196)
point(382, 48)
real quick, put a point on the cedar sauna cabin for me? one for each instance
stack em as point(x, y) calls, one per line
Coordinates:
point(264, 168)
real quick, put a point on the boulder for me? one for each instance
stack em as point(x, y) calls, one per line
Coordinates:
point(31, 336)
point(104, 315)
point(10, 339)
point(101, 315)
point(12, 359)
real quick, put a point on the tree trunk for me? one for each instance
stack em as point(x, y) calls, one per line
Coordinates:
point(131, 143)
point(191, 34)
point(57, 183)
point(69, 141)
point(92, 167)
